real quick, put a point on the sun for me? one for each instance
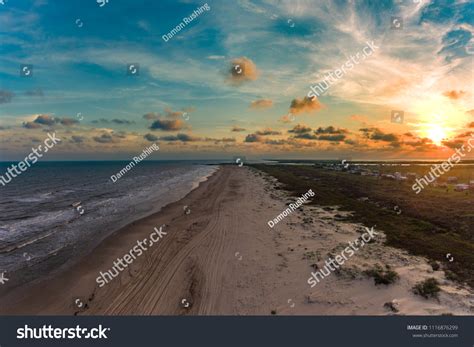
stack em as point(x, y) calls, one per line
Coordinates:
point(436, 133)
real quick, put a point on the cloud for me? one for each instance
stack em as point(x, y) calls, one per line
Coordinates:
point(169, 113)
point(275, 142)
point(253, 138)
point(267, 131)
point(261, 103)
point(241, 70)
point(237, 129)
point(222, 140)
point(5, 96)
point(115, 120)
point(470, 125)
point(306, 136)
point(454, 95)
point(31, 125)
point(330, 130)
point(77, 139)
point(34, 92)
point(150, 137)
point(471, 112)
point(151, 115)
point(359, 118)
point(376, 134)
point(167, 124)
point(300, 129)
point(180, 137)
point(332, 138)
point(45, 119)
point(423, 142)
point(455, 43)
point(68, 121)
point(215, 57)
point(453, 144)
point(104, 138)
point(306, 105)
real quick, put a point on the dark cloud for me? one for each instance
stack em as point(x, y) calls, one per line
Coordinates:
point(180, 137)
point(222, 140)
point(167, 124)
point(453, 144)
point(306, 136)
point(253, 138)
point(77, 139)
point(267, 131)
point(378, 135)
point(330, 130)
point(150, 137)
point(115, 120)
point(104, 138)
point(332, 138)
point(45, 119)
point(300, 129)
point(5, 96)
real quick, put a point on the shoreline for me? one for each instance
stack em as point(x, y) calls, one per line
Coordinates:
point(222, 258)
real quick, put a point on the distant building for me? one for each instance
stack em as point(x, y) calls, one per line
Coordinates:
point(461, 187)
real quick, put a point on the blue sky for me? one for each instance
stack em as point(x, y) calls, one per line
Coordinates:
point(80, 51)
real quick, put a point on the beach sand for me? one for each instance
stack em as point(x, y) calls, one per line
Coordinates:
point(222, 258)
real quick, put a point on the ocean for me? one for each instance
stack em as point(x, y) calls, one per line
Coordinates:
point(55, 212)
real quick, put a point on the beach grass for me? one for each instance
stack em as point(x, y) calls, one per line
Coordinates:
point(433, 224)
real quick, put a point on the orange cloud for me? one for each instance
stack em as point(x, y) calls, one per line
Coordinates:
point(261, 103)
point(242, 69)
point(454, 94)
point(306, 105)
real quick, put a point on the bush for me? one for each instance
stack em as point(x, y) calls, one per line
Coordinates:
point(428, 288)
point(434, 265)
point(382, 276)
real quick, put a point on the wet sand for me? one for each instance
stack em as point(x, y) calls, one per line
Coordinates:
point(222, 258)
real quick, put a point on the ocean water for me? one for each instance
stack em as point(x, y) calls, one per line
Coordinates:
point(41, 226)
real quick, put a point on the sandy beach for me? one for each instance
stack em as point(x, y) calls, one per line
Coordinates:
point(220, 257)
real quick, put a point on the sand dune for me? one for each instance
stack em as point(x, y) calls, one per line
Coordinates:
point(222, 258)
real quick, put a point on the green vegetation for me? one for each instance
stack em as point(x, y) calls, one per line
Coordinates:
point(382, 276)
point(428, 288)
point(432, 223)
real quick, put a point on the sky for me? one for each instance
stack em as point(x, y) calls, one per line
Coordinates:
point(219, 79)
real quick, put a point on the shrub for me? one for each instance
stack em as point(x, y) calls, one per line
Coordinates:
point(428, 288)
point(382, 276)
